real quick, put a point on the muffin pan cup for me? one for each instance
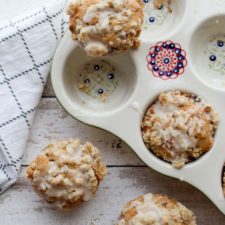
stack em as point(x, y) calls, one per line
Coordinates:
point(122, 114)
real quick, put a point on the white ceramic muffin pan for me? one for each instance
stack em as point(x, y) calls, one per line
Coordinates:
point(189, 46)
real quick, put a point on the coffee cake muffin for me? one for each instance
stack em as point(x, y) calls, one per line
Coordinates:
point(155, 209)
point(106, 27)
point(179, 127)
point(67, 173)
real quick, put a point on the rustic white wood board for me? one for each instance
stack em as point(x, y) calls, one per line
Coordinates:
point(21, 206)
point(53, 123)
point(127, 178)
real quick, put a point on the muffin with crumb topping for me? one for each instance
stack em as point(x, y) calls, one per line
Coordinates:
point(67, 173)
point(106, 27)
point(155, 209)
point(179, 127)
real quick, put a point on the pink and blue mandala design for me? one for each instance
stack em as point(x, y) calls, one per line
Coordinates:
point(167, 60)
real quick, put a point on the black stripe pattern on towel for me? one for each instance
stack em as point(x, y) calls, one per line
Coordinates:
point(27, 45)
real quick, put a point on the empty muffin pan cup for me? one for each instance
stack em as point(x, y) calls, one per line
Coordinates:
point(207, 52)
point(94, 87)
point(160, 22)
point(113, 93)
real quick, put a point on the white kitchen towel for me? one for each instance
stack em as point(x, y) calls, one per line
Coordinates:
point(27, 46)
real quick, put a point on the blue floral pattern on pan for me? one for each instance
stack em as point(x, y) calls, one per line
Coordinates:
point(154, 16)
point(98, 79)
point(166, 60)
point(215, 53)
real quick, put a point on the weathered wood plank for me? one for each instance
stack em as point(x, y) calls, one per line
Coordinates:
point(48, 91)
point(20, 205)
point(53, 123)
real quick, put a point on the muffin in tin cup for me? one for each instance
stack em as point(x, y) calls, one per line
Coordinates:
point(106, 27)
point(179, 127)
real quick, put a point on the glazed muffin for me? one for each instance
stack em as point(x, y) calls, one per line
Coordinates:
point(67, 173)
point(106, 27)
point(179, 127)
point(155, 209)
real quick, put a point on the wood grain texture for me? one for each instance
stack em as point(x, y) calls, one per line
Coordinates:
point(48, 91)
point(53, 123)
point(127, 178)
point(21, 205)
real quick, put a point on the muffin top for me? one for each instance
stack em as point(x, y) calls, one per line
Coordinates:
point(67, 172)
point(155, 209)
point(105, 27)
point(179, 127)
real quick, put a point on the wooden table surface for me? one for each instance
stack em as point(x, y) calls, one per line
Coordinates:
point(127, 178)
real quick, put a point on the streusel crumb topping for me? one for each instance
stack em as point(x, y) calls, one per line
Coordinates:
point(179, 127)
point(105, 27)
point(154, 209)
point(67, 172)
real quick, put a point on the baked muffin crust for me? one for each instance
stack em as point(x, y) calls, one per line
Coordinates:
point(155, 209)
point(179, 127)
point(67, 172)
point(105, 27)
